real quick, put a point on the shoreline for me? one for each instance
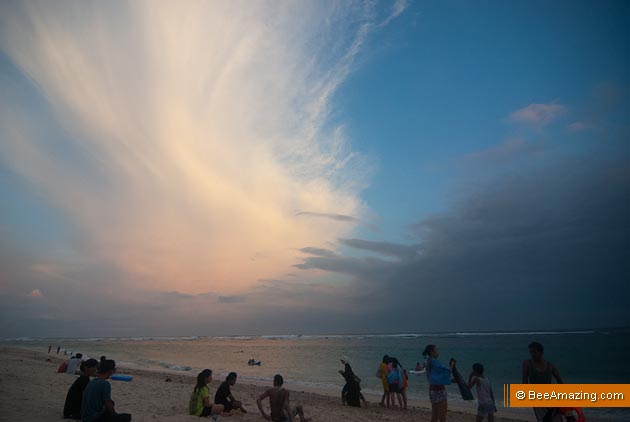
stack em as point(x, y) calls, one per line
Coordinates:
point(149, 398)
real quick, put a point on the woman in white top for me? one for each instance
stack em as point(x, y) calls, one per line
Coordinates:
point(485, 397)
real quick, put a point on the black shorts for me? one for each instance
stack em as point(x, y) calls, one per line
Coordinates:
point(393, 388)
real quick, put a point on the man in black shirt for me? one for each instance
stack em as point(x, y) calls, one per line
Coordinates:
point(74, 398)
point(224, 395)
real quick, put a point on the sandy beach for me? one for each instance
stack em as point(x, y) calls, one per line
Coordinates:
point(32, 391)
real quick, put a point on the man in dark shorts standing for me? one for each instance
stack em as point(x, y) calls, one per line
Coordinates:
point(224, 395)
point(279, 403)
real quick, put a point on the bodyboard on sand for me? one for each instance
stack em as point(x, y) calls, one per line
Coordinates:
point(413, 372)
point(463, 388)
point(121, 377)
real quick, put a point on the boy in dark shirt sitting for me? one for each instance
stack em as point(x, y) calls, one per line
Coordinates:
point(74, 398)
point(224, 395)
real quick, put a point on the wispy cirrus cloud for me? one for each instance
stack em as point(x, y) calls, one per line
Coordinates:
point(578, 127)
point(174, 155)
point(537, 114)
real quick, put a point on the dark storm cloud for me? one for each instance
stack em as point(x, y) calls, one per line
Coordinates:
point(550, 248)
point(383, 248)
point(317, 251)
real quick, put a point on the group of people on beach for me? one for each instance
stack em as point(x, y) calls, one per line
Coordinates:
point(225, 404)
point(395, 380)
point(536, 370)
point(89, 397)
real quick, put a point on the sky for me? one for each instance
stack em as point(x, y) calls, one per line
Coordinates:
point(205, 168)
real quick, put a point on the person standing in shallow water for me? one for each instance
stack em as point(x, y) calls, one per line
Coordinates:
point(438, 375)
point(538, 370)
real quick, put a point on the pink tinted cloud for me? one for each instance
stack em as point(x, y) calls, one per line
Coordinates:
point(36, 293)
point(578, 127)
point(537, 114)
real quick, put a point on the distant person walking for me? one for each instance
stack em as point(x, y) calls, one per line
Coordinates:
point(538, 370)
point(58, 349)
point(438, 376)
point(49, 347)
point(485, 397)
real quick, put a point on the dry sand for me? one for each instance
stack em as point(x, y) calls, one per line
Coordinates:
point(32, 391)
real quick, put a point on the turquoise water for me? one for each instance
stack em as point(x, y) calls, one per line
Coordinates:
point(313, 361)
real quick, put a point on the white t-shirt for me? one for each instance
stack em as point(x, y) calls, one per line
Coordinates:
point(73, 364)
point(484, 391)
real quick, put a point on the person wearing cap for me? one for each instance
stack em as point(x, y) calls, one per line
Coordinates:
point(72, 406)
point(97, 405)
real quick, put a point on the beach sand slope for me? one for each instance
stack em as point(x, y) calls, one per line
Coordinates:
point(32, 391)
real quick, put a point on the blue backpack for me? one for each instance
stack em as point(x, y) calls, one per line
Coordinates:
point(393, 376)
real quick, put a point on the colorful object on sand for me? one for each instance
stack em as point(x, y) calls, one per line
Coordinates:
point(121, 377)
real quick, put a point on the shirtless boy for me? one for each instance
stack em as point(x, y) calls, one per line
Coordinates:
point(279, 403)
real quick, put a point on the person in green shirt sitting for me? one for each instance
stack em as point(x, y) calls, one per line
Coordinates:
point(200, 404)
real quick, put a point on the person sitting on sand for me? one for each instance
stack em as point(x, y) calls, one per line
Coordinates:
point(74, 398)
point(200, 404)
point(485, 397)
point(224, 396)
point(97, 404)
point(279, 403)
point(73, 363)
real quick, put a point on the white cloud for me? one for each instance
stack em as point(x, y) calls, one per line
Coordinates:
point(578, 127)
point(182, 136)
point(537, 114)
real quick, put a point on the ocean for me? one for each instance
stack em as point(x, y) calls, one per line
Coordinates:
point(312, 361)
